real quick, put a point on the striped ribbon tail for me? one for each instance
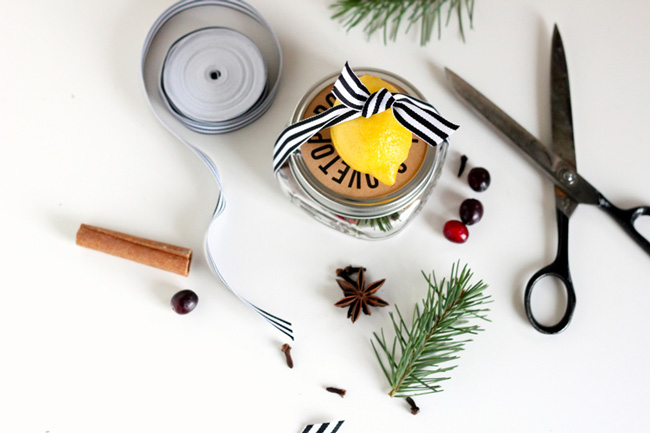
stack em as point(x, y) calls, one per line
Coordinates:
point(295, 135)
point(169, 100)
point(325, 427)
point(418, 116)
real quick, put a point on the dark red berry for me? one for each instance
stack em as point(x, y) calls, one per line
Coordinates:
point(471, 211)
point(184, 301)
point(478, 179)
point(455, 231)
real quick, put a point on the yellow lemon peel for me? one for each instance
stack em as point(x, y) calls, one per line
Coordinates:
point(377, 145)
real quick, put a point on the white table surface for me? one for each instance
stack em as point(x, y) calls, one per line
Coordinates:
point(90, 344)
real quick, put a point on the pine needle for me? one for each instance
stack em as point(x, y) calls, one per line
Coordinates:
point(389, 15)
point(421, 356)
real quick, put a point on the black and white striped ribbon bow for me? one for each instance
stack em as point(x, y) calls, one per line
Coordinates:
point(417, 116)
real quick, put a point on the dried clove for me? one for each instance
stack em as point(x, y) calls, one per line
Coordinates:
point(338, 391)
point(287, 353)
point(347, 271)
point(463, 161)
point(414, 409)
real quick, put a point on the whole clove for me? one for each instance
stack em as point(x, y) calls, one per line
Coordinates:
point(338, 391)
point(346, 272)
point(287, 353)
point(463, 161)
point(414, 409)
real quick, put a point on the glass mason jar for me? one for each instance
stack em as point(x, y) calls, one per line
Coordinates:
point(318, 181)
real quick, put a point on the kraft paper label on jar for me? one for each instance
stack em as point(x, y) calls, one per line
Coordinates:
point(331, 171)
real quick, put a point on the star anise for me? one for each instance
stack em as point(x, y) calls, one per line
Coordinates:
point(358, 297)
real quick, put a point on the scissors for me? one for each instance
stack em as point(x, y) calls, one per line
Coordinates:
point(559, 164)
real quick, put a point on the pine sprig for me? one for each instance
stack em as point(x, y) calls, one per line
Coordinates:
point(389, 15)
point(420, 356)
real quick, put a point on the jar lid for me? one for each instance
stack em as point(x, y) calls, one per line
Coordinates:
point(323, 176)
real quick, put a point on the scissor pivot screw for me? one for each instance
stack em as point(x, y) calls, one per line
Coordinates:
point(567, 176)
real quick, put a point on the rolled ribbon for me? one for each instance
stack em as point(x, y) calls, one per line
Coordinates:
point(210, 67)
point(211, 77)
point(416, 115)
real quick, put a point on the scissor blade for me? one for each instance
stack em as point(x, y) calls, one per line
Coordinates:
point(561, 118)
point(558, 170)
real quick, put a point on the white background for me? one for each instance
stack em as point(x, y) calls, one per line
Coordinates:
point(89, 342)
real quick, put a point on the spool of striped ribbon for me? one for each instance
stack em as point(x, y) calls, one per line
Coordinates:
point(211, 67)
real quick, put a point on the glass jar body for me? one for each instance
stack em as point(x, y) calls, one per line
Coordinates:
point(317, 181)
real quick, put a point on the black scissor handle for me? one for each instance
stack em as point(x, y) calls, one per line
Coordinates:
point(626, 218)
point(550, 271)
point(560, 270)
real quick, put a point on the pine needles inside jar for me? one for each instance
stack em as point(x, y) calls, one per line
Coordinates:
point(384, 224)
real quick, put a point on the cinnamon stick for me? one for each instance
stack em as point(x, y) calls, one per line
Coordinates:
point(152, 253)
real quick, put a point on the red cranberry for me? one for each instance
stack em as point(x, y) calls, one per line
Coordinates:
point(184, 301)
point(471, 211)
point(455, 231)
point(478, 179)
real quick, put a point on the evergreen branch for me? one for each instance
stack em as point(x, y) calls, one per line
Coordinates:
point(388, 15)
point(437, 335)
